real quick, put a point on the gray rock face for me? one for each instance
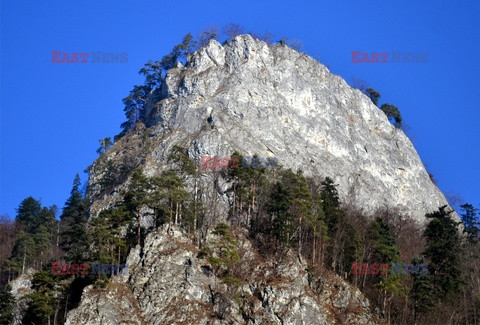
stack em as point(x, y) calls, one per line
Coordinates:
point(168, 284)
point(275, 102)
point(21, 287)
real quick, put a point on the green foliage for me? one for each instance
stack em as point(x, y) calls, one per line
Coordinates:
point(105, 233)
point(279, 208)
point(23, 253)
point(232, 281)
point(393, 114)
point(373, 95)
point(221, 229)
point(73, 225)
point(105, 144)
point(471, 222)
point(7, 302)
point(29, 214)
point(442, 250)
point(225, 252)
point(331, 204)
point(40, 308)
point(180, 157)
point(381, 241)
point(422, 291)
point(152, 71)
point(134, 106)
point(179, 51)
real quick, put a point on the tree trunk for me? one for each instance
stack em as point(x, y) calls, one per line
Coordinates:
point(24, 258)
point(195, 204)
point(139, 230)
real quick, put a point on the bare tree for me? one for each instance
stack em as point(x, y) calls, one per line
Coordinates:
point(359, 84)
point(295, 44)
point(266, 37)
point(232, 30)
point(207, 34)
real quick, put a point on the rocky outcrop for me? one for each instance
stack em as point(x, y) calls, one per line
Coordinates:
point(276, 102)
point(170, 281)
point(21, 287)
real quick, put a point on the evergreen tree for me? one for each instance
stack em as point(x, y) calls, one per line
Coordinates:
point(7, 302)
point(373, 95)
point(40, 308)
point(279, 208)
point(393, 114)
point(442, 250)
point(152, 71)
point(381, 242)
point(422, 291)
point(331, 204)
point(105, 144)
point(134, 107)
point(23, 253)
point(470, 222)
point(136, 197)
point(109, 245)
point(384, 250)
point(73, 221)
point(28, 214)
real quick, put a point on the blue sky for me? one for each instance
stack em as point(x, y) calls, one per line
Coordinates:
point(52, 115)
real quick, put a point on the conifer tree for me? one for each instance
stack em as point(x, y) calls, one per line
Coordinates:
point(40, 307)
point(331, 204)
point(422, 291)
point(470, 221)
point(23, 253)
point(443, 250)
point(7, 302)
point(393, 114)
point(73, 221)
point(373, 95)
point(279, 208)
point(28, 214)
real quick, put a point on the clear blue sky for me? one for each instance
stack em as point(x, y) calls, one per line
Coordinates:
point(52, 115)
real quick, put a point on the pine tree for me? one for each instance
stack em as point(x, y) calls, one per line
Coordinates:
point(279, 209)
point(7, 302)
point(373, 95)
point(73, 224)
point(134, 107)
point(393, 114)
point(381, 242)
point(331, 204)
point(23, 253)
point(40, 307)
point(422, 291)
point(109, 245)
point(136, 197)
point(28, 214)
point(105, 144)
point(442, 250)
point(471, 222)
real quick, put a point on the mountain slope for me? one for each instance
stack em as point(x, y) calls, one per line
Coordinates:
point(275, 102)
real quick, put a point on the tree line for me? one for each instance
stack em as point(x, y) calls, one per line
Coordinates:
point(281, 209)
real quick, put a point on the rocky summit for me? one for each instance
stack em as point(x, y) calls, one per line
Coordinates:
point(273, 101)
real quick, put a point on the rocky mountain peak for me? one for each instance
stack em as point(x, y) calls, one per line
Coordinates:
point(273, 101)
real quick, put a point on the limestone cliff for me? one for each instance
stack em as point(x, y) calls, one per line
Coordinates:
point(275, 102)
